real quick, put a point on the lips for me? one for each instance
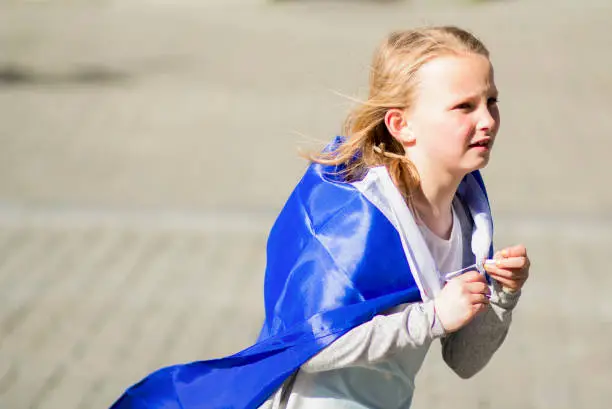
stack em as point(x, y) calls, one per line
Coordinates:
point(483, 143)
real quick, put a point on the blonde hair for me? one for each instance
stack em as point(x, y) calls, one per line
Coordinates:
point(393, 85)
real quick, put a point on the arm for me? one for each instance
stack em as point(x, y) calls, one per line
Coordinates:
point(468, 350)
point(406, 326)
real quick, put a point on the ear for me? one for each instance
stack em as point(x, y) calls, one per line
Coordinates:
point(398, 126)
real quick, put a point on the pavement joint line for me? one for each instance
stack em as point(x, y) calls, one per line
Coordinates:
point(261, 221)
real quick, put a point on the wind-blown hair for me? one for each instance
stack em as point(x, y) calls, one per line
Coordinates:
point(393, 84)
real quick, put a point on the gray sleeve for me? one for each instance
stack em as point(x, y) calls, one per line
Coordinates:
point(406, 326)
point(468, 350)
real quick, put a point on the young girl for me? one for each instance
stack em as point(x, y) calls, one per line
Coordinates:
point(381, 248)
point(430, 120)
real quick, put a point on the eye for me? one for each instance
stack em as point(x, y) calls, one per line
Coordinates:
point(492, 101)
point(464, 106)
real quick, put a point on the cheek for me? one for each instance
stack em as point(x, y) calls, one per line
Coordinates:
point(497, 117)
point(445, 135)
point(464, 132)
point(456, 133)
point(445, 127)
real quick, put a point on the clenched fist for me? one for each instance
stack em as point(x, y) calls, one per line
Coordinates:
point(461, 299)
point(511, 268)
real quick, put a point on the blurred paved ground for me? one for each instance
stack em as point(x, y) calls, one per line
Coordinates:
point(146, 149)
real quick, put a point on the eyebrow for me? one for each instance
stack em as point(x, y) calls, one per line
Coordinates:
point(491, 92)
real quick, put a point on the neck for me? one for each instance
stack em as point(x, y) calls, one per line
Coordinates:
point(433, 201)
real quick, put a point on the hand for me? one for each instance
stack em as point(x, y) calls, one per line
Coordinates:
point(461, 299)
point(511, 268)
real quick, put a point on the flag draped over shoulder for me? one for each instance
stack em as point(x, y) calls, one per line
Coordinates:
point(337, 255)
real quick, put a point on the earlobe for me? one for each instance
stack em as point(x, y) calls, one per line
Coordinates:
point(407, 135)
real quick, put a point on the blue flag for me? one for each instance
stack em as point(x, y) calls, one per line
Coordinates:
point(338, 254)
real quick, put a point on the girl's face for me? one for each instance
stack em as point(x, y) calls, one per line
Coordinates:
point(454, 117)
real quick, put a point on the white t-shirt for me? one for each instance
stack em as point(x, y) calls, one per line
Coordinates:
point(448, 254)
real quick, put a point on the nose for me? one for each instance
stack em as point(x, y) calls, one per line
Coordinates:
point(488, 118)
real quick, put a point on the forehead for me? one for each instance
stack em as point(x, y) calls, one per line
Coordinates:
point(456, 76)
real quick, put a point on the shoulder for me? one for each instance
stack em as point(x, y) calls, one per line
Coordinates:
point(323, 194)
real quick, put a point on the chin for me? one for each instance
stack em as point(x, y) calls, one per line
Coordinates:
point(477, 165)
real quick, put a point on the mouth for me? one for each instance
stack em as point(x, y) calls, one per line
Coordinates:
point(483, 144)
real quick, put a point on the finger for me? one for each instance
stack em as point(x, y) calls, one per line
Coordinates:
point(498, 254)
point(511, 262)
point(478, 299)
point(511, 284)
point(479, 308)
point(517, 275)
point(478, 288)
point(514, 251)
point(495, 271)
point(471, 277)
